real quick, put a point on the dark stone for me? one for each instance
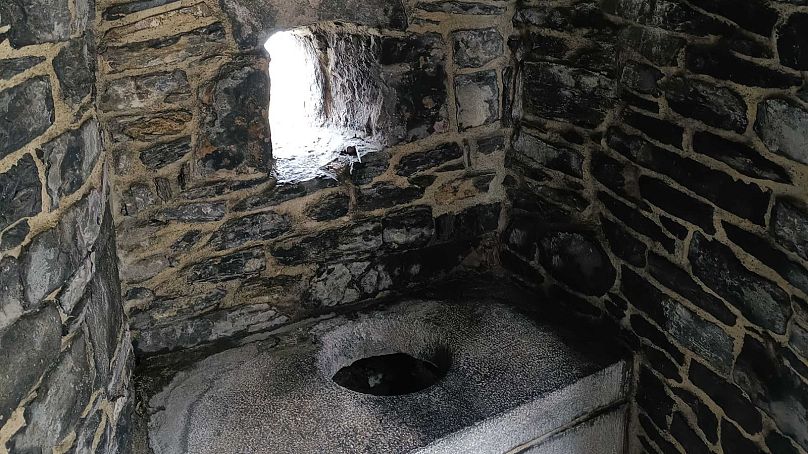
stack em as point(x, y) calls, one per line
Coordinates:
point(371, 166)
point(773, 387)
point(646, 330)
point(163, 154)
point(634, 219)
point(228, 267)
point(149, 127)
point(739, 156)
point(779, 444)
point(792, 43)
point(760, 248)
point(148, 91)
point(789, 224)
point(722, 64)
point(678, 280)
point(193, 212)
point(361, 238)
point(619, 176)
point(477, 99)
point(669, 15)
point(728, 396)
point(686, 436)
point(654, 433)
point(639, 102)
point(578, 261)
point(623, 244)
point(714, 105)
point(490, 145)
point(705, 417)
point(760, 300)
point(15, 235)
point(542, 153)
point(386, 195)
point(653, 397)
point(419, 161)
point(187, 241)
point(28, 348)
point(658, 46)
point(20, 194)
point(641, 78)
point(256, 227)
point(60, 400)
point(116, 12)
point(36, 21)
point(757, 16)
point(675, 228)
point(460, 7)
point(469, 223)
point(782, 124)
point(75, 69)
point(136, 198)
point(12, 66)
point(743, 199)
point(732, 440)
point(333, 206)
point(26, 111)
point(408, 228)
point(283, 192)
point(70, 159)
point(235, 125)
point(567, 94)
point(474, 48)
point(661, 130)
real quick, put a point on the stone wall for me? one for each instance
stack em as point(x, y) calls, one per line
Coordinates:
point(218, 241)
point(658, 180)
point(65, 352)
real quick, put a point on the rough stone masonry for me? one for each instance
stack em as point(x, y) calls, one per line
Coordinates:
point(659, 182)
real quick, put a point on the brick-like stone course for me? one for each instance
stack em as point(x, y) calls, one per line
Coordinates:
point(694, 141)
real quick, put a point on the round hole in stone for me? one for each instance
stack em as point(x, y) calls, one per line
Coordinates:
point(392, 374)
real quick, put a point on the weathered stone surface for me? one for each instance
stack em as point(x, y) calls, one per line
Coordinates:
point(468, 224)
point(739, 156)
point(165, 153)
point(730, 398)
point(774, 387)
point(333, 206)
point(474, 48)
point(686, 436)
point(282, 192)
point(792, 44)
point(193, 212)
point(460, 7)
point(477, 98)
point(658, 46)
point(19, 192)
point(619, 176)
point(26, 111)
point(789, 224)
point(386, 195)
point(372, 165)
point(678, 280)
point(634, 219)
point(705, 418)
point(136, 198)
point(75, 69)
point(409, 228)
point(150, 91)
point(567, 94)
point(29, 348)
point(257, 227)
point(255, 21)
point(641, 78)
point(345, 283)
point(12, 298)
point(489, 145)
point(36, 21)
point(783, 126)
point(578, 261)
point(732, 440)
point(714, 105)
point(655, 128)
point(623, 244)
point(654, 397)
point(542, 153)
point(15, 235)
point(668, 15)
point(116, 12)
point(757, 16)
point(423, 160)
point(677, 203)
point(70, 159)
point(235, 131)
point(722, 64)
point(357, 239)
point(149, 127)
point(60, 400)
point(228, 267)
point(12, 66)
point(760, 300)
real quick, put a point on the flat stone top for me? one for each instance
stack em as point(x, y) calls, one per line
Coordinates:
point(277, 396)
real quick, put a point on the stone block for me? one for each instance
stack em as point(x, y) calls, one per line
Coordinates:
point(757, 16)
point(408, 228)
point(26, 111)
point(641, 78)
point(792, 43)
point(330, 207)
point(149, 91)
point(228, 267)
point(636, 220)
point(75, 67)
point(658, 129)
point(430, 159)
point(282, 192)
point(657, 46)
point(783, 126)
point(556, 157)
point(760, 300)
point(193, 212)
point(256, 227)
point(477, 99)
point(730, 398)
point(28, 348)
point(20, 194)
point(387, 195)
point(668, 15)
point(705, 417)
point(623, 244)
point(739, 156)
point(36, 21)
point(577, 260)
point(720, 63)
point(70, 159)
point(116, 12)
point(714, 105)
point(15, 235)
point(475, 48)
point(470, 8)
point(789, 224)
point(358, 239)
point(164, 154)
point(10, 67)
point(148, 128)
